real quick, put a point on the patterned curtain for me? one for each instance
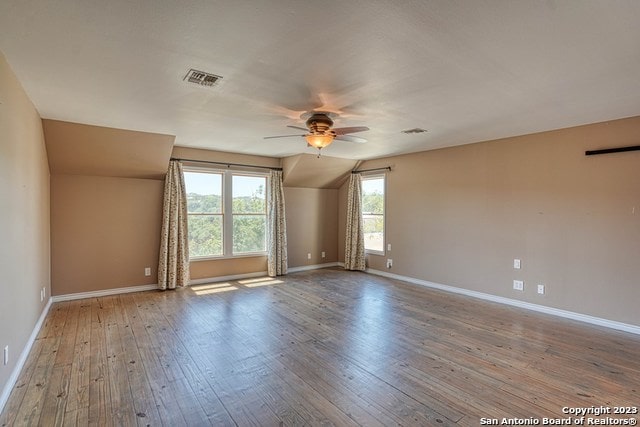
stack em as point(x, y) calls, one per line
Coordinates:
point(354, 241)
point(277, 228)
point(173, 266)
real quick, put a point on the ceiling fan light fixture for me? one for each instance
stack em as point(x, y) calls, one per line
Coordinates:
point(319, 141)
point(320, 131)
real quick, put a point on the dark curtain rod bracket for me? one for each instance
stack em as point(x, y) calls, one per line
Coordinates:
point(612, 150)
point(227, 164)
point(388, 168)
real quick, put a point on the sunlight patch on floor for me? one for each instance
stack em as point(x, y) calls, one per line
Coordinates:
point(260, 281)
point(213, 288)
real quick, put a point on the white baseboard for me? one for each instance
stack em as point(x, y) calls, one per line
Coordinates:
point(634, 329)
point(8, 387)
point(115, 291)
point(104, 292)
point(312, 267)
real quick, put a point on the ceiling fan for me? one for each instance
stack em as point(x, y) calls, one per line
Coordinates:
point(320, 133)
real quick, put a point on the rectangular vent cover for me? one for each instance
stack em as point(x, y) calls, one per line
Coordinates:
point(201, 78)
point(414, 130)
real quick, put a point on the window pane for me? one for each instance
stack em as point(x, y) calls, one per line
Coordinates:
point(249, 194)
point(373, 232)
point(373, 213)
point(249, 233)
point(204, 192)
point(205, 235)
point(373, 196)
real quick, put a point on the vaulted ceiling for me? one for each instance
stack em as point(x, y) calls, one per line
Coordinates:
point(465, 70)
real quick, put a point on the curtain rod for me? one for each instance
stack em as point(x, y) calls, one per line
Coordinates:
point(387, 168)
point(225, 163)
point(612, 150)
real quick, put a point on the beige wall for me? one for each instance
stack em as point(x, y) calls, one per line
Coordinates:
point(459, 216)
point(105, 212)
point(219, 156)
point(206, 269)
point(104, 232)
point(312, 225)
point(24, 219)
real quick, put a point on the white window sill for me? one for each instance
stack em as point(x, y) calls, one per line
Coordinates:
point(372, 252)
point(222, 257)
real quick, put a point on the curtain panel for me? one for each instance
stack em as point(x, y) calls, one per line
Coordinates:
point(354, 241)
point(277, 228)
point(173, 265)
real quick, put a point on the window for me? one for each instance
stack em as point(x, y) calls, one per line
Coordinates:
point(204, 213)
point(227, 213)
point(249, 214)
point(373, 212)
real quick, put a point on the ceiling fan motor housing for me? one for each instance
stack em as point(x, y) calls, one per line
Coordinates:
point(319, 124)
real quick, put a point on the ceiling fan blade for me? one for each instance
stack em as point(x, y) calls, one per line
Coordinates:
point(298, 127)
point(351, 138)
point(354, 129)
point(281, 136)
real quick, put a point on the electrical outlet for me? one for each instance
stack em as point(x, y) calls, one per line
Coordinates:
point(388, 246)
point(147, 271)
point(518, 285)
point(389, 263)
point(541, 289)
point(516, 264)
point(6, 354)
point(309, 256)
point(323, 255)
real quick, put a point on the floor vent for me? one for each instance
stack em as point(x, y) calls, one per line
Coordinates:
point(201, 78)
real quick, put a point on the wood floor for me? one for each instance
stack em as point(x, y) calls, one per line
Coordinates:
point(323, 347)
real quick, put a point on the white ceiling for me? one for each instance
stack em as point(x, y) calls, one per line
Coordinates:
point(466, 70)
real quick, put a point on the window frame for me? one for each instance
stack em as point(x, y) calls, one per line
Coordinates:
point(373, 176)
point(227, 211)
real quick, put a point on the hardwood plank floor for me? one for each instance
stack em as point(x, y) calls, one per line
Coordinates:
point(324, 347)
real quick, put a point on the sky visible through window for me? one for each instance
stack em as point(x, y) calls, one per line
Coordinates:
point(373, 186)
point(246, 186)
point(209, 183)
point(202, 183)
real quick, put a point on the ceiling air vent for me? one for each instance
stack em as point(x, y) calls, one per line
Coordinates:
point(201, 78)
point(414, 130)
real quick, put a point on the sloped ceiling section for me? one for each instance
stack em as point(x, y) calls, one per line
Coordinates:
point(311, 171)
point(78, 149)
